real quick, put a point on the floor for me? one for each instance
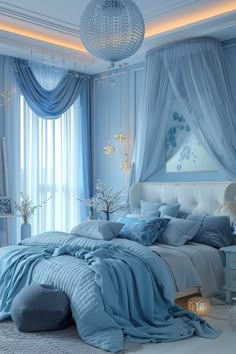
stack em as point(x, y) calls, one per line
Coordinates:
point(67, 341)
point(225, 344)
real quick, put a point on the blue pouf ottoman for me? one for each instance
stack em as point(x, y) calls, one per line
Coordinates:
point(40, 307)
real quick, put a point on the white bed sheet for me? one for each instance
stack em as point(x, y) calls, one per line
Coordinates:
point(194, 265)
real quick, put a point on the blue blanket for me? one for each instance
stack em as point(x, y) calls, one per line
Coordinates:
point(122, 284)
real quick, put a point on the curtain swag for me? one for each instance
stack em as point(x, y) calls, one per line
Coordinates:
point(48, 104)
point(69, 139)
point(194, 74)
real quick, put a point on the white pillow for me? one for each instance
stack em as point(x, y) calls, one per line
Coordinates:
point(98, 229)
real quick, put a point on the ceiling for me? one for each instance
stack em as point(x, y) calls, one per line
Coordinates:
point(48, 30)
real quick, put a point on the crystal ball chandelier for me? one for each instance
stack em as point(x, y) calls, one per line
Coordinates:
point(112, 30)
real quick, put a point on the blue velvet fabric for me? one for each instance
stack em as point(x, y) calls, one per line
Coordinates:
point(130, 279)
point(49, 104)
point(215, 231)
point(146, 231)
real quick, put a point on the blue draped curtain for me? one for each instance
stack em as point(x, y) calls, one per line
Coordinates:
point(45, 103)
point(192, 72)
point(86, 143)
point(49, 156)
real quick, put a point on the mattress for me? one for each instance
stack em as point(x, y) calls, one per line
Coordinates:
point(193, 265)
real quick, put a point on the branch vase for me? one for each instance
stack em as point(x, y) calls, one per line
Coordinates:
point(25, 231)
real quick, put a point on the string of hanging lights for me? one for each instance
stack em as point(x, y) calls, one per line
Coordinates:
point(109, 149)
point(120, 136)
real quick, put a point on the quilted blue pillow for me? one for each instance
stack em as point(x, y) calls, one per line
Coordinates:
point(145, 231)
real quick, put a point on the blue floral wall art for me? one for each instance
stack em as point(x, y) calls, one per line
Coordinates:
point(184, 151)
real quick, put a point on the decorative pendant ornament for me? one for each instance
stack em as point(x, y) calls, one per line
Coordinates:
point(120, 137)
point(112, 30)
point(108, 149)
point(126, 164)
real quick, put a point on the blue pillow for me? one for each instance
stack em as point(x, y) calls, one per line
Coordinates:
point(179, 231)
point(182, 214)
point(98, 229)
point(145, 231)
point(215, 231)
point(130, 218)
point(170, 210)
point(150, 208)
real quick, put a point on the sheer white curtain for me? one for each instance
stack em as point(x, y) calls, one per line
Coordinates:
point(193, 72)
point(44, 157)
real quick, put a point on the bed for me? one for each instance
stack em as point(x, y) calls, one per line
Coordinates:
point(197, 198)
point(123, 284)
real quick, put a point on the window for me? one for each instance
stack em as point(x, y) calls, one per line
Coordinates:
point(49, 166)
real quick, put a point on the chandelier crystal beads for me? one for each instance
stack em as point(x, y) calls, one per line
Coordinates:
point(112, 30)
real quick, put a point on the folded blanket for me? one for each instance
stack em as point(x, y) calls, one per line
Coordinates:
point(124, 285)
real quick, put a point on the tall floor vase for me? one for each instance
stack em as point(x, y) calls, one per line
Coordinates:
point(25, 231)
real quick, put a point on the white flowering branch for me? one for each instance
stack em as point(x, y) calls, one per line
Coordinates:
point(105, 200)
point(26, 208)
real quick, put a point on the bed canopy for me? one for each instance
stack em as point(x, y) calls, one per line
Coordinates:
point(193, 73)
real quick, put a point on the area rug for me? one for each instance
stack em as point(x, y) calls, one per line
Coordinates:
point(65, 341)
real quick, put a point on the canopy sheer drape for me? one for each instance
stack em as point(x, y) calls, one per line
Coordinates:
point(192, 72)
point(45, 103)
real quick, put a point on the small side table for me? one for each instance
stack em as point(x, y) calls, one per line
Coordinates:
point(230, 272)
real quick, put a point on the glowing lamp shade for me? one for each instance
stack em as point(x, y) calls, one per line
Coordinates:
point(199, 305)
point(112, 30)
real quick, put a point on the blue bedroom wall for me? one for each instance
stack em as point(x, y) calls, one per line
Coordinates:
point(123, 88)
point(107, 168)
point(2, 127)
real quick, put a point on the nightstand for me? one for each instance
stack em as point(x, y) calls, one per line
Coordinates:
point(230, 272)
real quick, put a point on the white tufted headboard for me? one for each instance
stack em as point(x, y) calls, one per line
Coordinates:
point(194, 197)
